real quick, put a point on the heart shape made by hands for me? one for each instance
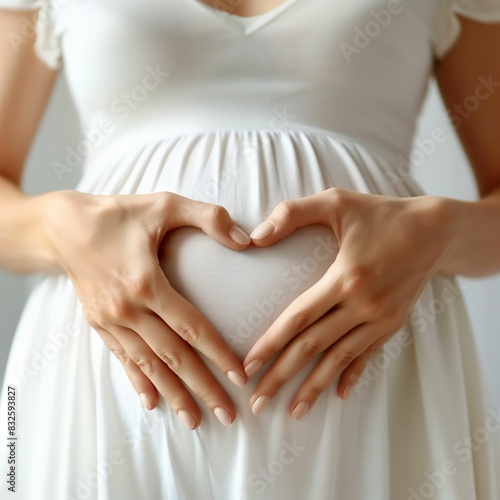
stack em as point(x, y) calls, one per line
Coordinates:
point(242, 292)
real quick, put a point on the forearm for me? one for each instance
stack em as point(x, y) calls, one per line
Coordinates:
point(24, 248)
point(474, 249)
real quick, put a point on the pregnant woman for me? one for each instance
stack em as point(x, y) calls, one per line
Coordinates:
point(246, 296)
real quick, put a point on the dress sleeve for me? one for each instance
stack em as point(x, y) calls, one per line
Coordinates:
point(43, 27)
point(448, 30)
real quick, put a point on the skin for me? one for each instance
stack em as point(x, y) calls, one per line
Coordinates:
point(52, 233)
point(244, 9)
point(411, 237)
point(353, 310)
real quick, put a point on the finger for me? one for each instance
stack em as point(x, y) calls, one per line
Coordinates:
point(354, 371)
point(334, 362)
point(292, 214)
point(142, 384)
point(213, 220)
point(305, 310)
point(315, 340)
point(167, 383)
point(159, 351)
point(190, 325)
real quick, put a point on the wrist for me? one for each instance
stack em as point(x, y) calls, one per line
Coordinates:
point(473, 229)
point(25, 249)
point(44, 206)
point(447, 213)
point(59, 210)
point(65, 215)
point(440, 217)
point(53, 206)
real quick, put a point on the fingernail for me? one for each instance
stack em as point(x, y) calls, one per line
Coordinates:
point(347, 391)
point(146, 402)
point(252, 367)
point(187, 419)
point(262, 231)
point(300, 410)
point(239, 236)
point(260, 405)
point(223, 416)
point(236, 378)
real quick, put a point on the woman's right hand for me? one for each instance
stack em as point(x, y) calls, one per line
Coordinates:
point(108, 246)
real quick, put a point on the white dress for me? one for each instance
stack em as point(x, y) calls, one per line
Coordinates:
point(174, 95)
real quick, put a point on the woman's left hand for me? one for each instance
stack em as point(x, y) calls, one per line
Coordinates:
point(389, 249)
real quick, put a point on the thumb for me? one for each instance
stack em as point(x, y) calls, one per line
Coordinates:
point(289, 216)
point(213, 220)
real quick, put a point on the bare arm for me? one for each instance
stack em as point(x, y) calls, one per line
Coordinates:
point(25, 87)
point(461, 76)
point(389, 247)
point(154, 332)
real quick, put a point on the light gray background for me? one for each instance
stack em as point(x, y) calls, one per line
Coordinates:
point(444, 172)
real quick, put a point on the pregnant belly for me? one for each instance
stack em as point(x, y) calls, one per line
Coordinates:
point(242, 292)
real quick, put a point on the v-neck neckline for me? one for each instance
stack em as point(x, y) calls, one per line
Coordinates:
point(244, 24)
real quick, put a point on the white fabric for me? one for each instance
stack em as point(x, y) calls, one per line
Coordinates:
point(47, 42)
point(247, 113)
point(487, 11)
point(444, 26)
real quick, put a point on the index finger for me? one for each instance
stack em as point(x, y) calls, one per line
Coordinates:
point(192, 326)
point(299, 315)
